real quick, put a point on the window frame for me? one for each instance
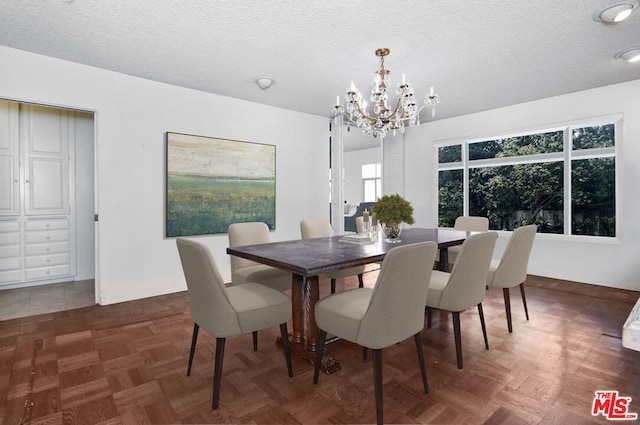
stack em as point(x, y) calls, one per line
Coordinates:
point(567, 155)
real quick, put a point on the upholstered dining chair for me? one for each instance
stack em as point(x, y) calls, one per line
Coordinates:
point(384, 315)
point(228, 311)
point(511, 269)
point(469, 224)
point(318, 228)
point(465, 286)
point(243, 270)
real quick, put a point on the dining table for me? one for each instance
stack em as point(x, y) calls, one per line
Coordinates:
point(305, 259)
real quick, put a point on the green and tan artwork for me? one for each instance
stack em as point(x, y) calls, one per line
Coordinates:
point(212, 183)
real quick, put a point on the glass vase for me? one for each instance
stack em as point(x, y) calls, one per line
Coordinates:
point(391, 231)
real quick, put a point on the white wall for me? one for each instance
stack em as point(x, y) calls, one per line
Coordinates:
point(134, 260)
point(614, 263)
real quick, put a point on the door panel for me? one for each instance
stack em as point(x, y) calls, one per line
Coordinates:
point(9, 160)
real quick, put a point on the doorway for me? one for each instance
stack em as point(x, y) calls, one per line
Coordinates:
point(51, 235)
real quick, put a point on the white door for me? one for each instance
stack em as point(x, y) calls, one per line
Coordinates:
point(46, 137)
point(9, 160)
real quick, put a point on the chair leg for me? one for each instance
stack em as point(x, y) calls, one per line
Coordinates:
point(429, 313)
point(284, 335)
point(524, 300)
point(333, 286)
point(255, 340)
point(507, 307)
point(484, 328)
point(360, 281)
point(320, 351)
point(217, 372)
point(377, 383)
point(194, 339)
point(456, 335)
point(423, 370)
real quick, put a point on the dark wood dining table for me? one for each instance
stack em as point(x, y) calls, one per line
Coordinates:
point(307, 258)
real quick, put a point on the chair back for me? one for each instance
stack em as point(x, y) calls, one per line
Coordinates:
point(472, 224)
point(315, 228)
point(468, 279)
point(396, 307)
point(512, 269)
point(210, 306)
point(251, 233)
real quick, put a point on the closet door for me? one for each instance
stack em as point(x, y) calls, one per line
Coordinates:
point(9, 160)
point(45, 137)
point(10, 226)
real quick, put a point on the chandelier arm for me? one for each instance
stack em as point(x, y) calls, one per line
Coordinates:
point(362, 114)
point(395, 111)
point(415, 115)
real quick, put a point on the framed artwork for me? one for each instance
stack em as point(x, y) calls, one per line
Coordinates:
point(212, 183)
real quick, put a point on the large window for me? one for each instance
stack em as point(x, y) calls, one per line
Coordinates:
point(563, 180)
point(371, 182)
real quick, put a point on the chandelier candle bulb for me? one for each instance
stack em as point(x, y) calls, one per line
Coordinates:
point(366, 228)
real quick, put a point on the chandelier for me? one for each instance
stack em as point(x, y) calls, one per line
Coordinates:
point(384, 119)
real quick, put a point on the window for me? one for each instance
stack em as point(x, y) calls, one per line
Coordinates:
point(563, 180)
point(371, 182)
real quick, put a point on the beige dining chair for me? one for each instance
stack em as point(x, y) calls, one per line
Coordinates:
point(243, 270)
point(465, 286)
point(228, 311)
point(469, 224)
point(319, 228)
point(388, 313)
point(511, 269)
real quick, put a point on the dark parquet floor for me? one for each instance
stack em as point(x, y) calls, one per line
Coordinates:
point(126, 363)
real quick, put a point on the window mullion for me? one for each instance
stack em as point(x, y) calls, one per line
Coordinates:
point(568, 147)
point(465, 178)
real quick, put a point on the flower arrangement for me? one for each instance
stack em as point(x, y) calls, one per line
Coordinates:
point(391, 211)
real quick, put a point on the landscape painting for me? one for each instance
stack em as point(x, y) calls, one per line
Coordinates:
point(212, 183)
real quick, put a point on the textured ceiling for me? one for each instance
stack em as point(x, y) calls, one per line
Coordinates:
point(479, 54)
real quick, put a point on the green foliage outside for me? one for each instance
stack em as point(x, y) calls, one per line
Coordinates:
point(447, 154)
point(601, 136)
point(592, 202)
point(516, 195)
point(530, 144)
point(450, 197)
point(533, 193)
point(198, 205)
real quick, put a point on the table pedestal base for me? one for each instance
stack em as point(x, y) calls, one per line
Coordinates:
point(329, 364)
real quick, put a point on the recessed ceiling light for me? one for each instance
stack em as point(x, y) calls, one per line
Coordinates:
point(616, 12)
point(264, 83)
point(630, 55)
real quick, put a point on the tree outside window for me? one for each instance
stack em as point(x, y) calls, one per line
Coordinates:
point(520, 180)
